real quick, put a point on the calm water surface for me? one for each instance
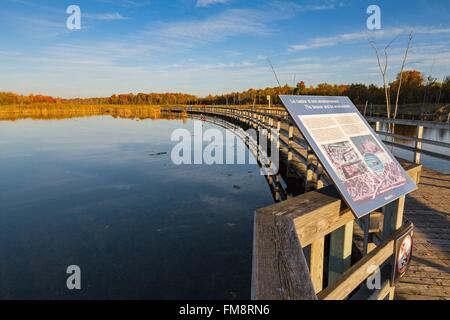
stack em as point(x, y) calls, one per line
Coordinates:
point(90, 192)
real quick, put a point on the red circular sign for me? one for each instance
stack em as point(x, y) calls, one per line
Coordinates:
point(404, 254)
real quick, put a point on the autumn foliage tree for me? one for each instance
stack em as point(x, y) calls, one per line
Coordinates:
point(12, 98)
point(416, 88)
point(412, 89)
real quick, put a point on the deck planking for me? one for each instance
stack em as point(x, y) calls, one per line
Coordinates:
point(429, 209)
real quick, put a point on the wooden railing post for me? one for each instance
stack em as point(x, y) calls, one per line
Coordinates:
point(392, 221)
point(319, 183)
point(278, 132)
point(277, 188)
point(316, 263)
point(393, 217)
point(279, 268)
point(290, 142)
point(309, 172)
point(269, 133)
point(340, 252)
point(418, 147)
point(366, 229)
point(378, 126)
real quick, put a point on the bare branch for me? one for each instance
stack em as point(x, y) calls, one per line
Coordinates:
point(294, 84)
point(390, 43)
point(410, 38)
point(273, 70)
point(383, 71)
point(378, 56)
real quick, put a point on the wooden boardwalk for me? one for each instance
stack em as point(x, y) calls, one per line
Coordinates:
point(429, 209)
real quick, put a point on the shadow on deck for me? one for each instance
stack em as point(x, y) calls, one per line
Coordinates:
point(429, 209)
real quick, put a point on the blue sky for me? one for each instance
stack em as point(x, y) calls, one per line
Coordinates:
point(210, 46)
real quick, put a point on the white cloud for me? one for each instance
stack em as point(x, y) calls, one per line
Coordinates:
point(105, 16)
point(322, 42)
point(193, 33)
point(289, 7)
point(131, 4)
point(205, 3)
point(229, 23)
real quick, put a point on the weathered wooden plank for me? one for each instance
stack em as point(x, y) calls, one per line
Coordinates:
point(315, 214)
point(354, 276)
point(436, 242)
point(433, 228)
point(432, 255)
point(340, 252)
point(436, 276)
point(316, 263)
point(427, 216)
point(280, 271)
point(406, 296)
point(423, 268)
point(393, 217)
point(379, 294)
point(426, 247)
point(321, 223)
point(432, 235)
point(426, 281)
point(419, 136)
point(424, 289)
point(445, 263)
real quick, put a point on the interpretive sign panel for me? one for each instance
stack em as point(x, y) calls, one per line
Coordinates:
point(362, 168)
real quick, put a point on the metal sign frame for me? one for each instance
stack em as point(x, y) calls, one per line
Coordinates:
point(364, 171)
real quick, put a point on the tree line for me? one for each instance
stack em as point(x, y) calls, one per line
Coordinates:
point(416, 88)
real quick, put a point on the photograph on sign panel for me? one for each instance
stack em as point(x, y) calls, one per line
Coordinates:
point(345, 160)
point(383, 176)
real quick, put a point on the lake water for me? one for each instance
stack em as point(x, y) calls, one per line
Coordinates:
point(94, 192)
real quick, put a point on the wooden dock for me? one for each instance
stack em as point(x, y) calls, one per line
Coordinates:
point(429, 210)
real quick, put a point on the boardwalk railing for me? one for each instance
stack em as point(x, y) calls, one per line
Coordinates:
point(420, 146)
point(418, 140)
point(303, 249)
point(307, 246)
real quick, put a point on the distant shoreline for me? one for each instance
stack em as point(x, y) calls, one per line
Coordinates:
point(70, 110)
point(61, 110)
